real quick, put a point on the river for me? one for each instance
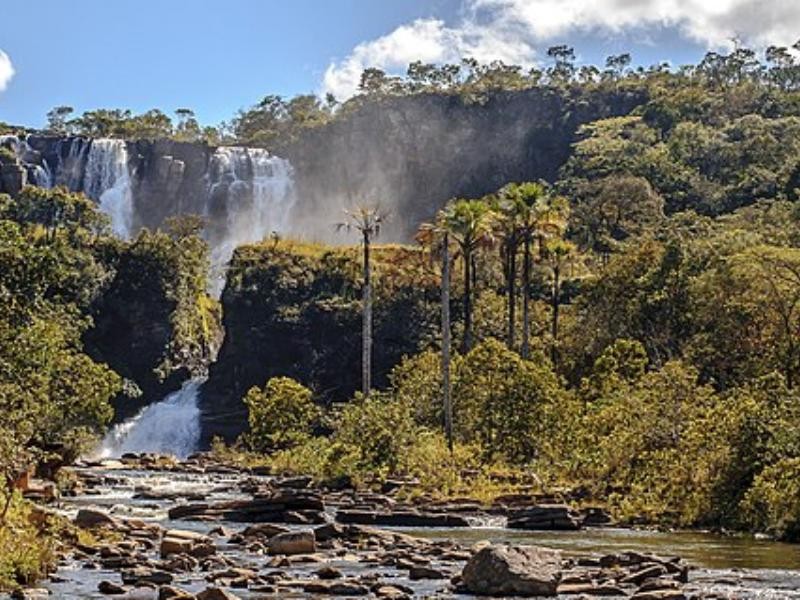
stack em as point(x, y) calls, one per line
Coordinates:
point(723, 566)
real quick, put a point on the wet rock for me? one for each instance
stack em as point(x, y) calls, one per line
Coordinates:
point(30, 594)
point(300, 482)
point(513, 571)
point(589, 589)
point(215, 593)
point(417, 572)
point(328, 572)
point(110, 588)
point(659, 595)
point(89, 519)
point(178, 541)
point(166, 592)
point(142, 575)
point(648, 572)
point(545, 517)
point(268, 508)
point(594, 516)
point(391, 592)
point(336, 588)
point(401, 519)
point(293, 542)
point(330, 531)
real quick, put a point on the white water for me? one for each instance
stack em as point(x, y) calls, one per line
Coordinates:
point(40, 174)
point(171, 426)
point(260, 197)
point(108, 181)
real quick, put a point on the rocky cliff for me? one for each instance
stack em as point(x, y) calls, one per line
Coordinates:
point(413, 153)
point(294, 310)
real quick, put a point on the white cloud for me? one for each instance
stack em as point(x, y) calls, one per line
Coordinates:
point(6, 70)
point(512, 30)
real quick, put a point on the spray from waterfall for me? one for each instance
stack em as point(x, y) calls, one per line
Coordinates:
point(107, 180)
point(171, 426)
point(250, 196)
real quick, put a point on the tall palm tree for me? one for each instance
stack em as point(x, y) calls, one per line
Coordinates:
point(436, 236)
point(541, 216)
point(507, 231)
point(558, 253)
point(367, 220)
point(469, 224)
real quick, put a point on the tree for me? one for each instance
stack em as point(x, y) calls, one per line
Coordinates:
point(558, 253)
point(57, 120)
point(367, 220)
point(281, 414)
point(469, 223)
point(508, 232)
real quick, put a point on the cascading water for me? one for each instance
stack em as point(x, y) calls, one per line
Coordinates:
point(108, 181)
point(171, 426)
point(39, 174)
point(258, 193)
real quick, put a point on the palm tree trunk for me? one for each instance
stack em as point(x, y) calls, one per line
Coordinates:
point(526, 297)
point(447, 405)
point(556, 301)
point(511, 281)
point(366, 333)
point(467, 342)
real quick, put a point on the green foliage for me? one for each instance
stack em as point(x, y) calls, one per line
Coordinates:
point(27, 552)
point(281, 414)
point(505, 403)
point(773, 503)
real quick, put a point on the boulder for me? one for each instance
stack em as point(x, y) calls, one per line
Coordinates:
point(89, 519)
point(166, 592)
point(418, 572)
point(336, 588)
point(500, 570)
point(110, 588)
point(293, 542)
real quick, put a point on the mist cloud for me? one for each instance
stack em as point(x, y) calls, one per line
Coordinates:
point(6, 70)
point(515, 31)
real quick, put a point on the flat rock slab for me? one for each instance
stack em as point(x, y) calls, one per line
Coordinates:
point(401, 519)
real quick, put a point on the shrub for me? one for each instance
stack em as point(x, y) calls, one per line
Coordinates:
point(773, 502)
point(281, 414)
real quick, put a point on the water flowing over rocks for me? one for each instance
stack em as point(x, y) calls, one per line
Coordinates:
point(159, 545)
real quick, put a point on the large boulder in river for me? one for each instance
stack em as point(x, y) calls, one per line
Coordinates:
point(293, 542)
point(513, 571)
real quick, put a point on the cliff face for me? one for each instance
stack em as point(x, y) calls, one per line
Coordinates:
point(295, 310)
point(414, 153)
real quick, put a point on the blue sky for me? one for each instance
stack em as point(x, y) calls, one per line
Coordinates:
point(218, 56)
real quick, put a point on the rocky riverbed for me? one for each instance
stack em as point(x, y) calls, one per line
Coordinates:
point(199, 529)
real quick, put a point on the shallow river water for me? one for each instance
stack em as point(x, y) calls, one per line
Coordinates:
point(724, 566)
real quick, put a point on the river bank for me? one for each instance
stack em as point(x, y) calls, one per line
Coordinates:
point(180, 529)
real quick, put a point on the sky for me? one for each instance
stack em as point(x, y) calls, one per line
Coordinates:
point(219, 56)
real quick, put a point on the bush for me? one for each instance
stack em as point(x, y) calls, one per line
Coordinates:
point(27, 551)
point(506, 404)
point(281, 414)
point(773, 502)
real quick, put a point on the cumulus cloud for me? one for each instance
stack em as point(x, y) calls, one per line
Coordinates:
point(6, 70)
point(513, 30)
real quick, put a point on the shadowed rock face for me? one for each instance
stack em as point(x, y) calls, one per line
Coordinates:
point(414, 153)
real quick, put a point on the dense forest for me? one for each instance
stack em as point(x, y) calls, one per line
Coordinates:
point(625, 334)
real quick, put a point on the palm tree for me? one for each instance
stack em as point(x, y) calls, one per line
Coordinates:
point(507, 231)
point(541, 216)
point(435, 236)
point(469, 224)
point(558, 253)
point(367, 220)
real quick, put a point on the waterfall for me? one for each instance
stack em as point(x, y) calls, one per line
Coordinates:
point(257, 189)
point(38, 170)
point(171, 426)
point(107, 180)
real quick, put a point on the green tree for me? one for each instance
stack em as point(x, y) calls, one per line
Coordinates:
point(281, 414)
point(469, 223)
